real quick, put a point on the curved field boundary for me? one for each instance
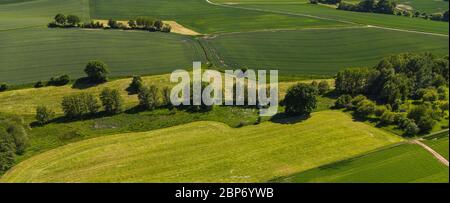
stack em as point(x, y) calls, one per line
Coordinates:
point(279, 12)
point(323, 18)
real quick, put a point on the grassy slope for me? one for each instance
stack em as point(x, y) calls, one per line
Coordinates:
point(201, 16)
point(40, 53)
point(24, 101)
point(316, 51)
point(399, 164)
point(390, 21)
point(39, 12)
point(205, 152)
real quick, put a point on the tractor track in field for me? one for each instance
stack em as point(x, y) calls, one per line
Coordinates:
point(324, 18)
point(439, 157)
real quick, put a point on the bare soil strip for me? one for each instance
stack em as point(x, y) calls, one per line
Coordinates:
point(176, 27)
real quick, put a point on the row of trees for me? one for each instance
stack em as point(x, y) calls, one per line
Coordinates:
point(84, 104)
point(404, 84)
point(372, 6)
point(389, 7)
point(13, 141)
point(60, 20)
point(141, 23)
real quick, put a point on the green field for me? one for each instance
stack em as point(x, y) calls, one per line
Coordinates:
point(201, 16)
point(36, 54)
point(205, 152)
point(439, 144)
point(317, 51)
point(428, 6)
point(383, 20)
point(399, 164)
point(38, 12)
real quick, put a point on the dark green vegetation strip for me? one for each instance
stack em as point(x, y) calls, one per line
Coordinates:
point(38, 54)
point(317, 51)
point(404, 163)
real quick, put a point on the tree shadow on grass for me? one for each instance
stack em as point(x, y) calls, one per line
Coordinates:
point(333, 94)
point(85, 83)
point(64, 119)
point(283, 118)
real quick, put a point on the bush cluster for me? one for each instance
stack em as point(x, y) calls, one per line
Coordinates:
point(13, 141)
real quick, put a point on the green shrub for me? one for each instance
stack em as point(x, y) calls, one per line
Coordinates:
point(73, 20)
point(365, 108)
point(410, 128)
point(148, 97)
point(135, 85)
point(3, 87)
point(44, 115)
point(387, 118)
point(356, 100)
point(39, 84)
point(166, 97)
point(59, 81)
point(324, 87)
point(97, 71)
point(7, 150)
point(111, 101)
point(343, 101)
point(301, 99)
point(79, 105)
point(423, 116)
point(380, 110)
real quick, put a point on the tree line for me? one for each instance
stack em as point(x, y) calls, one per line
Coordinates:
point(405, 89)
point(384, 7)
point(140, 23)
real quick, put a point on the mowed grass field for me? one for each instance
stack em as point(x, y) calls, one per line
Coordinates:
point(16, 14)
point(202, 17)
point(317, 51)
point(27, 56)
point(399, 164)
point(206, 152)
point(390, 21)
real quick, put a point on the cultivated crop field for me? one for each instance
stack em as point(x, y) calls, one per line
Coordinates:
point(202, 16)
point(317, 51)
point(37, 13)
point(205, 152)
point(41, 53)
point(439, 144)
point(427, 5)
point(399, 164)
point(389, 21)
